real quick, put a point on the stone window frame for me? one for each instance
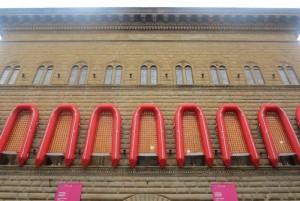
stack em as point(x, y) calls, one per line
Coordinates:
point(78, 76)
point(285, 70)
point(148, 66)
point(41, 80)
point(13, 67)
point(184, 76)
point(113, 79)
point(252, 67)
point(219, 77)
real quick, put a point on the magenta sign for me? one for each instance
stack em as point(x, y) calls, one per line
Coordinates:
point(224, 192)
point(68, 192)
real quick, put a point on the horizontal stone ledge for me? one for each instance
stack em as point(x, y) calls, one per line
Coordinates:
point(144, 171)
point(153, 87)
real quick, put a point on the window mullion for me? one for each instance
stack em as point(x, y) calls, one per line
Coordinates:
point(219, 76)
point(253, 76)
point(43, 75)
point(113, 75)
point(78, 75)
point(288, 76)
point(148, 75)
point(9, 75)
point(183, 76)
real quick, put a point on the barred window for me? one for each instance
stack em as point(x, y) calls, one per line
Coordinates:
point(10, 74)
point(78, 74)
point(253, 74)
point(43, 76)
point(219, 74)
point(288, 75)
point(148, 74)
point(184, 74)
point(113, 74)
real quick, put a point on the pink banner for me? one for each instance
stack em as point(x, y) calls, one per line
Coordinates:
point(68, 192)
point(224, 192)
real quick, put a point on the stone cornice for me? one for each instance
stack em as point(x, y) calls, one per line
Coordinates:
point(153, 19)
point(150, 27)
point(151, 10)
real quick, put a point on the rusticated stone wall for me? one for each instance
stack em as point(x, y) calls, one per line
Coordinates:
point(131, 50)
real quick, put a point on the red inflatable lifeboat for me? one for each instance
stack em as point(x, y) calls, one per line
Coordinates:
point(136, 149)
point(200, 135)
point(278, 134)
point(61, 134)
point(102, 138)
point(14, 129)
point(235, 135)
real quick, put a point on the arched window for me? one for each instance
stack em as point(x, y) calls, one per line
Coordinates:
point(10, 74)
point(118, 75)
point(214, 75)
point(287, 74)
point(292, 75)
point(219, 74)
point(39, 75)
point(189, 75)
point(43, 76)
point(113, 74)
point(153, 75)
point(249, 75)
point(48, 75)
point(258, 75)
point(108, 75)
point(253, 74)
point(148, 77)
point(184, 76)
point(78, 74)
point(83, 74)
point(223, 75)
point(5, 74)
point(179, 77)
point(73, 75)
point(144, 76)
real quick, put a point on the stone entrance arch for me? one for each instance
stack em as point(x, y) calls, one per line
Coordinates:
point(146, 197)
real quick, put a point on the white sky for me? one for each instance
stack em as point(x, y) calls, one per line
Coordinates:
point(150, 3)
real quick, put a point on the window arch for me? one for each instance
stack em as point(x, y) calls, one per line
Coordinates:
point(44, 74)
point(10, 74)
point(113, 74)
point(287, 74)
point(253, 74)
point(148, 74)
point(219, 74)
point(184, 74)
point(78, 74)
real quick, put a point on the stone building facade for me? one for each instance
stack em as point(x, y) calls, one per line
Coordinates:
point(136, 39)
